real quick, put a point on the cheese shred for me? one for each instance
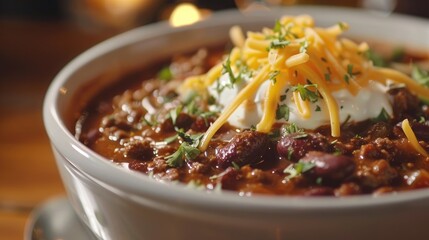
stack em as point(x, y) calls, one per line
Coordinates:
point(412, 139)
point(296, 52)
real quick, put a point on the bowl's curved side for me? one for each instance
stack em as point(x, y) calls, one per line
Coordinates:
point(114, 191)
point(113, 214)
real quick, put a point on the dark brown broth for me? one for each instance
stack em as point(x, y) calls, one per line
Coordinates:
point(376, 156)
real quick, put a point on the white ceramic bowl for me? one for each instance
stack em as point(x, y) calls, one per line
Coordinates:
point(119, 204)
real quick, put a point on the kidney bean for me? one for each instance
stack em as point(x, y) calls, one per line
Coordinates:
point(329, 166)
point(294, 146)
point(245, 148)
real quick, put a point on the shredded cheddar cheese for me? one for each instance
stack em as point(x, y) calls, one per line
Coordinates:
point(298, 53)
point(412, 138)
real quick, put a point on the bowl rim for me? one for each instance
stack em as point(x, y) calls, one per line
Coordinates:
point(106, 173)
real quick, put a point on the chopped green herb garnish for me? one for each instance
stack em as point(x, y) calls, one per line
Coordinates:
point(337, 152)
point(342, 26)
point(227, 69)
point(282, 112)
point(150, 122)
point(184, 152)
point(421, 76)
point(277, 27)
point(272, 76)
point(304, 46)
point(300, 135)
point(398, 54)
point(376, 59)
point(235, 166)
point(244, 71)
point(219, 87)
point(422, 119)
point(174, 113)
point(347, 120)
point(291, 128)
point(206, 115)
point(347, 79)
point(296, 169)
point(211, 100)
point(306, 93)
point(289, 153)
point(278, 44)
point(193, 140)
point(165, 74)
point(350, 69)
point(170, 139)
point(328, 77)
point(382, 117)
point(317, 108)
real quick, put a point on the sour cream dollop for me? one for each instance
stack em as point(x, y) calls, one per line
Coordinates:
point(368, 103)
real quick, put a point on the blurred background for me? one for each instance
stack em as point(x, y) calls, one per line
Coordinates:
point(37, 38)
point(123, 14)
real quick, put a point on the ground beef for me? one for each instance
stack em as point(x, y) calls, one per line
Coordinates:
point(138, 127)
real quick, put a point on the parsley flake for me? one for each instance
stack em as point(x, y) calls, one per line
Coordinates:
point(272, 76)
point(421, 76)
point(291, 128)
point(347, 78)
point(235, 166)
point(165, 74)
point(328, 77)
point(375, 58)
point(275, 44)
point(296, 169)
point(306, 93)
point(227, 69)
point(318, 109)
point(184, 152)
point(382, 117)
point(174, 113)
point(188, 149)
point(282, 112)
point(343, 26)
point(303, 46)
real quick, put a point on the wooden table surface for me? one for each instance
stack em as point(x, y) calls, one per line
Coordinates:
point(31, 53)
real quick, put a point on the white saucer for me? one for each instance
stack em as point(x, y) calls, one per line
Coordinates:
point(56, 219)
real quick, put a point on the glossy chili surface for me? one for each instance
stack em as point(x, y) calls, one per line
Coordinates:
point(142, 124)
